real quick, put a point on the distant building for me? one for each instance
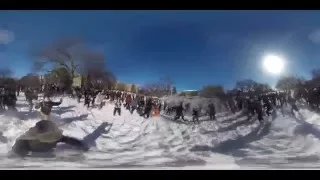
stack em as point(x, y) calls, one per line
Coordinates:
point(189, 93)
point(77, 81)
point(123, 86)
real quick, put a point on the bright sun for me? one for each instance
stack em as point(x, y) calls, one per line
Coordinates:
point(273, 64)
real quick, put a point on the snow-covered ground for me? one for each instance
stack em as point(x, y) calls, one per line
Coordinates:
point(231, 142)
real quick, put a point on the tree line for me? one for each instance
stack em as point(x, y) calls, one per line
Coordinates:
point(60, 62)
point(165, 86)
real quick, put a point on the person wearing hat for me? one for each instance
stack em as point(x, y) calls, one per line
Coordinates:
point(44, 137)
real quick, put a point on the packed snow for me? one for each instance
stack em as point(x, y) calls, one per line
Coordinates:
point(133, 142)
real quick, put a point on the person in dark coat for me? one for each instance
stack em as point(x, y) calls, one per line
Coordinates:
point(267, 105)
point(30, 96)
point(179, 112)
point(133, 105)
point(44, 137)
point(10, 100)
point(87, 98)
point(148, 108)
point(212, 111)
point(195, 115)
point(292, 102)
point(258, 109)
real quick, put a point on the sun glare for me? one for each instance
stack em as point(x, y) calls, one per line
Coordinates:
point(273, 64)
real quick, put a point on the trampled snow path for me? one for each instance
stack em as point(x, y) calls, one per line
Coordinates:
point(134, 142)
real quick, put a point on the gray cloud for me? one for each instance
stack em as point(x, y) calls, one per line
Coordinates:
point(6, 36)
point(315, 36)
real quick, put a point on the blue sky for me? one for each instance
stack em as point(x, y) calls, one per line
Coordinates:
point(193, 47)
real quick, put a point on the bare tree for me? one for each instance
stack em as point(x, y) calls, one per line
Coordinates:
point(73, 56)
point(5, 78)
point(97, 72)
point(5, 72)
point(95, 68)
point(154, 89)
point(51, 78)
point(133, 88)
point(30, 80)
point(167, 83)
point(159, 88)
point(174, 90)
point(66, 53)
point(246, 85)
point(315, 73)
point(110, 79)
point(210, 91)
point(287, 82)
point(121, 86)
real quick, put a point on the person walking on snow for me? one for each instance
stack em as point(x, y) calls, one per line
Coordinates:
point(100, 98)
point(117, 108)
point(46, 107)
point(212, 111)
point(134, 105)
point(179, 112)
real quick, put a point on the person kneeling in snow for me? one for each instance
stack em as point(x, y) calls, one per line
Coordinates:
point(46, 106)
point(44, 137)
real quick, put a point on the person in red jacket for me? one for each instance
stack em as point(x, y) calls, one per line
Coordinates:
point(128, 101)
point(155, 110)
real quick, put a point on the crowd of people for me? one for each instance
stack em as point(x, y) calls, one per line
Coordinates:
point(250, 104)
point(146, 106)
point(143, 105)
